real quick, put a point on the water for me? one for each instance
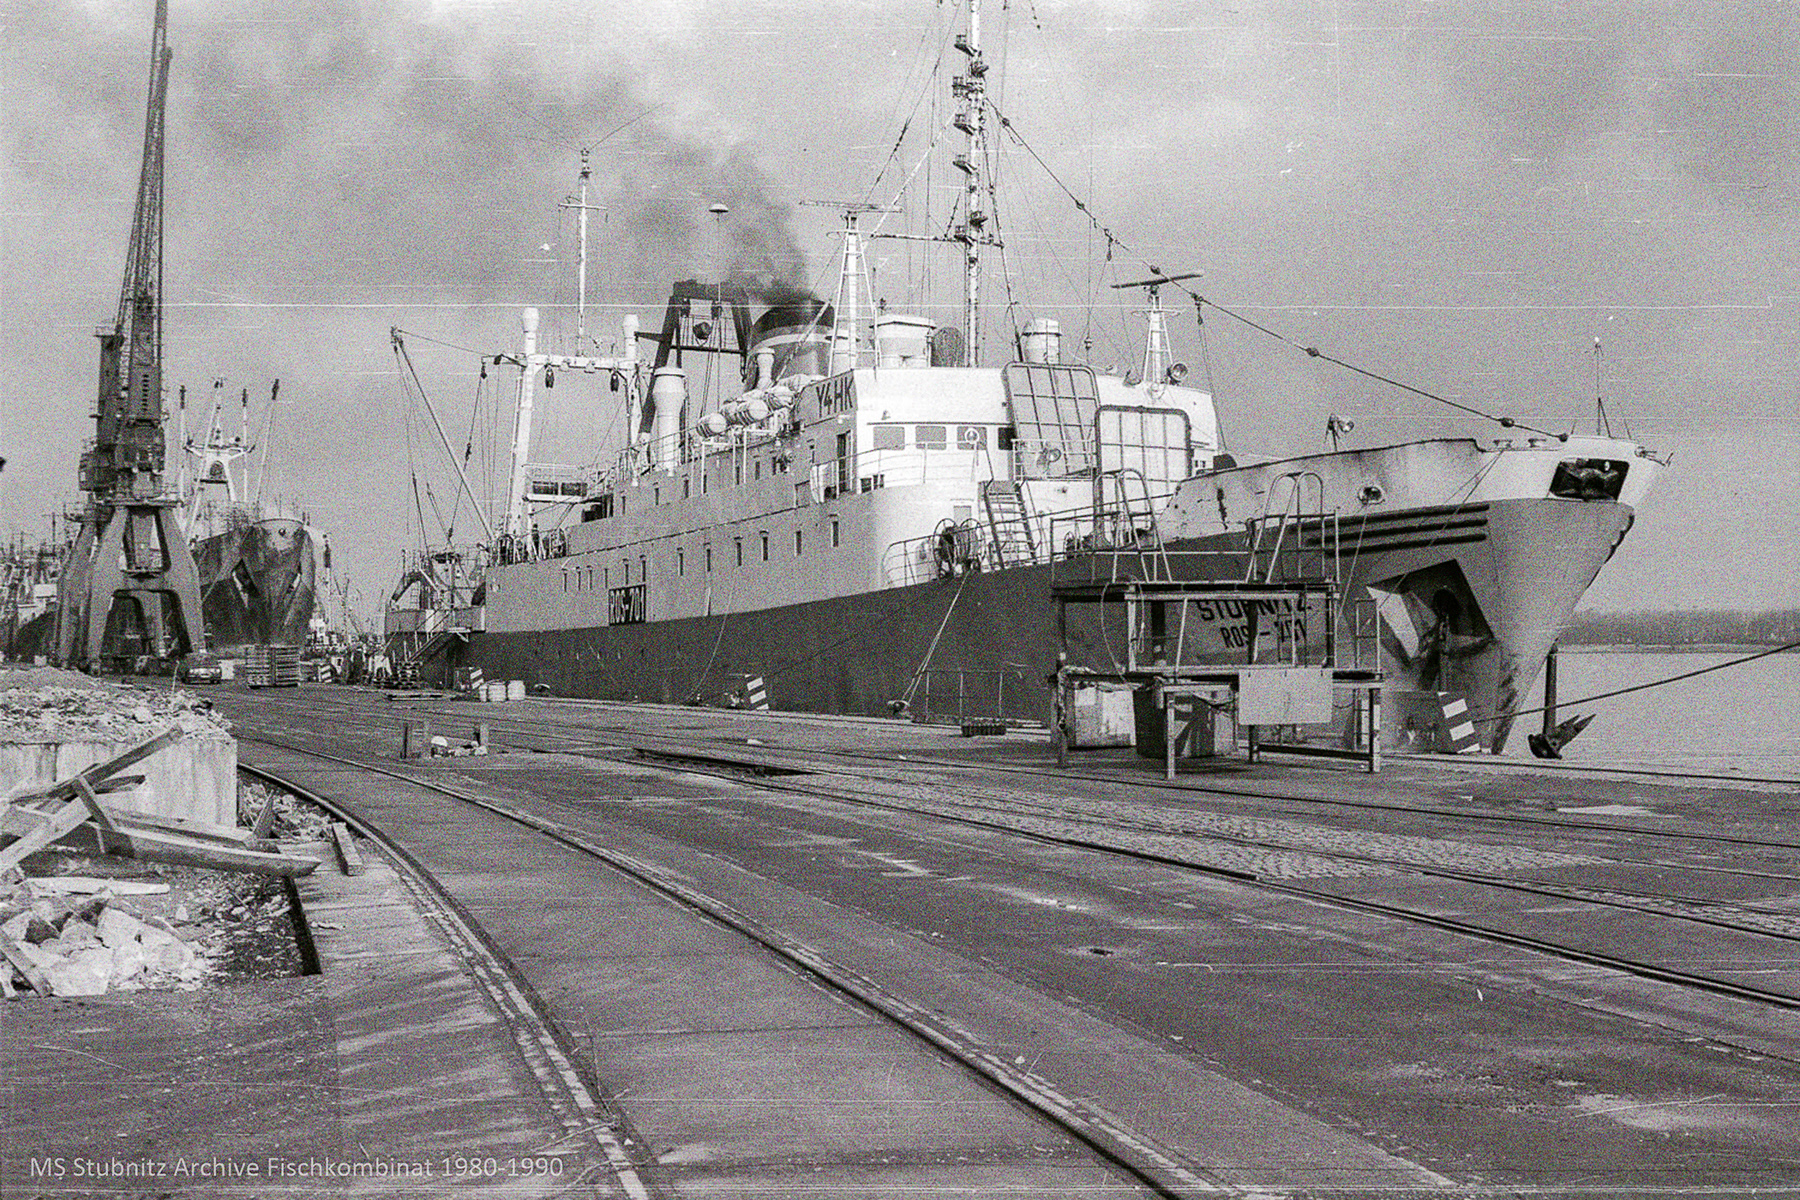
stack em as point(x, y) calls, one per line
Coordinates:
point(1742, 720)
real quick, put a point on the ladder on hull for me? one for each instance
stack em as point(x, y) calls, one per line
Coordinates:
point(1009, 522)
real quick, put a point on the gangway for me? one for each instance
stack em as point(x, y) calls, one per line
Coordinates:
point(1250, 632)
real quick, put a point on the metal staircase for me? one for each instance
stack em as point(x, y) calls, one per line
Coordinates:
point(1009, 521)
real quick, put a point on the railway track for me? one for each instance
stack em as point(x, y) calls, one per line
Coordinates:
point(1280, 856)
point(577, 736)
point(1160, 1170)
point(1270, 838)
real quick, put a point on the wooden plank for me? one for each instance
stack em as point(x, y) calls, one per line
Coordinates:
point(56, 825)
point(27, 968)
point(265, 819)
point(151, 845)
point(348, 854)
point(204, 831)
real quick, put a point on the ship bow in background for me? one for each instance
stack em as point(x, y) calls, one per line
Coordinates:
point(258, 583)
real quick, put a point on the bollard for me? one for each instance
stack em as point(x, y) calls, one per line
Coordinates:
point(481, 733)
point(415, 739)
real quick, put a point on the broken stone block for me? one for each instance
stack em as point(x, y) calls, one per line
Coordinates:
point(116, 928)
point(170, 956)
point(127, 960)
point(51, 910)
point(84, 973)
point(77, 935)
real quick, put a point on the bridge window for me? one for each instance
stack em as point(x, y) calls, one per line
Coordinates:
point(887, 437)
point(930, 437)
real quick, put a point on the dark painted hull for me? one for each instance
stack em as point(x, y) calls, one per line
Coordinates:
point(1487, 606)
point(258, 584)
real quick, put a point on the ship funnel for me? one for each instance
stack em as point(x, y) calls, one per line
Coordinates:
point(792, 338)
point(902, 341)
point(668, 396)
point(1041, 341)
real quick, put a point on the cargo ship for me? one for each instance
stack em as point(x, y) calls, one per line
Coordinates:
point(871, 520)
point(258, 559)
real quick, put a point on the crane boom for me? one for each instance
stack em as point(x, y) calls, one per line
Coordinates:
point(130, 589)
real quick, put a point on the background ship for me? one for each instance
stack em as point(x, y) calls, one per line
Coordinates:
point(29, 572)
point(258, 559)
point(871, 521)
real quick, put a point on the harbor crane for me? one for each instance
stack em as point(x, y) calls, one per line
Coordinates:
point(130, 590)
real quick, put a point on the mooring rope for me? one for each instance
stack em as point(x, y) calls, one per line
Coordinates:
point(1637, 687)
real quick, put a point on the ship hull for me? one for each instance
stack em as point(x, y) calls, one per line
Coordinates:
point(258, 584)
point(1470, 601)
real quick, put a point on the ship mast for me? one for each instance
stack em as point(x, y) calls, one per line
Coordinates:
point(969, 89)
point(582, 208)
point(623, 367)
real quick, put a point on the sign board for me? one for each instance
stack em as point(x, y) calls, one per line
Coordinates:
point(1284, 696)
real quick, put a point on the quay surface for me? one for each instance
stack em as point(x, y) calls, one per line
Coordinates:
point(787, 956)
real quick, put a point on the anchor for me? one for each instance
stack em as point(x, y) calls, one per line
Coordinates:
point(1549, 744)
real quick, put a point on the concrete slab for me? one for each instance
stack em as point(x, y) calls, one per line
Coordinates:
point(193, 780)
point(429, 1071)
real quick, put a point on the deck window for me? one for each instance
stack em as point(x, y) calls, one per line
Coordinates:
point(797, 542)
point(765, 547)
point(834, 531)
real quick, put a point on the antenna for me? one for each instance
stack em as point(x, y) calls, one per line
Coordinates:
point(582, 208)
point(847, 311)
point(1156, 333)
point(1601, 423)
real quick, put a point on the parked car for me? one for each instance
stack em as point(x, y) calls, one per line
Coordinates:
point(200, 668)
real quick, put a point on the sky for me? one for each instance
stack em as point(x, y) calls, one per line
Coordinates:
point(1459, 196)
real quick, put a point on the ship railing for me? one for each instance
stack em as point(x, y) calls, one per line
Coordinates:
point(1111, 531)
point(958, 695)
point(871, 470)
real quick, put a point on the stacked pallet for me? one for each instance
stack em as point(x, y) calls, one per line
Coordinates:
point(272, 666)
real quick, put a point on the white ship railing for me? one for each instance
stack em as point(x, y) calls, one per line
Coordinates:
point(954, 548)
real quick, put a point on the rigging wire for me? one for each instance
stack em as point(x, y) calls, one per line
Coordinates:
point(1113, 241)
point(1507, 716)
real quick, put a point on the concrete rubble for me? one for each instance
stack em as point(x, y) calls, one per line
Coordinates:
point(44, 704)
point(89, 944)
